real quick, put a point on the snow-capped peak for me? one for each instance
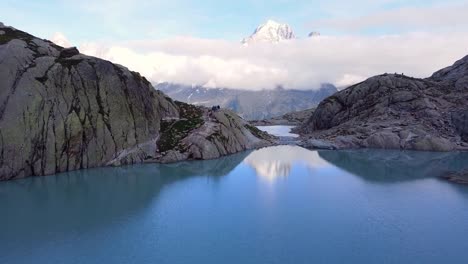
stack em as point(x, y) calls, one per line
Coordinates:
point(272, 32)
point(314, 34)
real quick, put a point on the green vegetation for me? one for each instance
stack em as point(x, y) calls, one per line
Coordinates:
point(218, 136)
point(172, 132)
point(11, 34)
point(188, 111)
point(257, 132)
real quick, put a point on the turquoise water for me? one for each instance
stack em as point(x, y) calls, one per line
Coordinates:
point(275, 205)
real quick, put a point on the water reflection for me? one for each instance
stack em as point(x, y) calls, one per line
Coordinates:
point(219, 212)
point(113, 194)
point(394, 165)
point(276, 162)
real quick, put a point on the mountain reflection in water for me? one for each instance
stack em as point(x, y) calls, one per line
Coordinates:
point(113, 193)
point(276, 162)
point(394, 165)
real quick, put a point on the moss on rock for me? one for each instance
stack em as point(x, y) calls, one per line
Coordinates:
point(173, 131)
point(257, 132)
point(11, 34)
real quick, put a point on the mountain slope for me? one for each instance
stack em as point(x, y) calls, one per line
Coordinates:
point(61, 110)
point(270, 32)
point(396, 111)
point(251, 105)
point(289, 119)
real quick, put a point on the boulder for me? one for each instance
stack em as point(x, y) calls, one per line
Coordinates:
point(318, 144)
point(430, 143)
point(69, 52)
point(383, 140)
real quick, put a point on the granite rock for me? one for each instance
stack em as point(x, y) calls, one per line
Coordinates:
point(394, 111)
point(61, 110)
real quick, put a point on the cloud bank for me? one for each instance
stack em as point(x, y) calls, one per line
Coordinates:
point(303, 63)
point(298, 64)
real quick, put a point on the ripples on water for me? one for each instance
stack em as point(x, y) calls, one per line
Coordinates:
point(275, 205)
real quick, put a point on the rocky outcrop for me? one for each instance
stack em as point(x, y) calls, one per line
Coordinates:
point(460, 177)
point(69, 52)
point(393, 111)
point(288, 119)
point(61, 110)
point(201, 133)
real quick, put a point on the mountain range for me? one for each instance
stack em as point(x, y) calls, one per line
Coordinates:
point(251, 105)
point(273, 32)
point(254, 104)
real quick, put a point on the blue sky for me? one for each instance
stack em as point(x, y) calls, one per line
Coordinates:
point(91, 20)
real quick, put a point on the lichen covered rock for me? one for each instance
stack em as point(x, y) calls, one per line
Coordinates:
point(212, 135)
point(61, 110)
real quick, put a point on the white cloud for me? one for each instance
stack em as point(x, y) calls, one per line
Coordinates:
point(60, 39)
point(300, 64)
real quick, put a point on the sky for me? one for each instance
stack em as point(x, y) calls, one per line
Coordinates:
point(197, 42)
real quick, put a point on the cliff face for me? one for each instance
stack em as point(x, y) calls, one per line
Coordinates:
point(396, 112)
point(61, 110)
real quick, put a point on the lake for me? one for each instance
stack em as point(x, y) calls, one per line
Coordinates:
point(281, 204)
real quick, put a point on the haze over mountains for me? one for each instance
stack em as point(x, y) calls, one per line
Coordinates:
point(251, 105)
point(254, 104)
point(343, 59)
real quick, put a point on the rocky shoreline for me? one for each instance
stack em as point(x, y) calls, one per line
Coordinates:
point(457, 177)
point(393, 111)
